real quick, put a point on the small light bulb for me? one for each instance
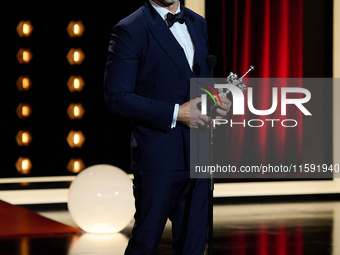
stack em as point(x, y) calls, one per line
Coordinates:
point(25, 56)
point(76, 30)
point(25, 111)
point(76, 56)
point(76, 111)
point(24, 138)
point(25, 29)
point(76, 139)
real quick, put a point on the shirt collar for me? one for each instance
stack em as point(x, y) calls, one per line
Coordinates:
point(163, 11)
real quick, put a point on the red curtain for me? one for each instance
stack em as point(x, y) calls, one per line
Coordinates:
point(269, 35)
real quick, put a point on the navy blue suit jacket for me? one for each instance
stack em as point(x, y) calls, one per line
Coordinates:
point(146, 74)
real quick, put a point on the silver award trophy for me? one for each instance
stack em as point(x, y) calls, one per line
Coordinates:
point(238, 82)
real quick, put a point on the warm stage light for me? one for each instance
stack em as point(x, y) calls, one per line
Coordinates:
point(75, 111)
point(75, 56)
point(75, 28)
point(75, 165)
point(23, 138)
point(75, 139)
point(23, 111)
point(23, 165)
point(75, 83)
point(24, 56)
point(24, 28)
point(24, 83)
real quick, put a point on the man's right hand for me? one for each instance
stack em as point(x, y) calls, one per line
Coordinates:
point(190, 115)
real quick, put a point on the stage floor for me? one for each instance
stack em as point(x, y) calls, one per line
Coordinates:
point(247, 229)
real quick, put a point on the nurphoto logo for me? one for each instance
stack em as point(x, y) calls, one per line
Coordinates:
point(302, 96)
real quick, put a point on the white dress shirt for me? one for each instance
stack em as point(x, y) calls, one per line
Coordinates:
point(181, 33)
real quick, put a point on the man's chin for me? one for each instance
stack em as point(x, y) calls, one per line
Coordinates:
point(168, 2)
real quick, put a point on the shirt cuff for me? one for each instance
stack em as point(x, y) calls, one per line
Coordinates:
point(174, 118)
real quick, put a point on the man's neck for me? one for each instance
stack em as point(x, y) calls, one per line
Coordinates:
point(171, 7)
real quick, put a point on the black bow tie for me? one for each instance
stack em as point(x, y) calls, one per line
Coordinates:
point(173, 18)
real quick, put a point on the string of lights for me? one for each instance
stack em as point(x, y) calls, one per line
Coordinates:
point(24, 110)
point(75, 56)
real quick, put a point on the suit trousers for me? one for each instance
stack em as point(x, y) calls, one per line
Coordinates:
point(162, 195)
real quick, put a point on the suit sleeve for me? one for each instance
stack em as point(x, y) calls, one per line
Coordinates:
point(120, 79)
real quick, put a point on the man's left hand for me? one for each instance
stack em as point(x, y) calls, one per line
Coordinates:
point(223, 109)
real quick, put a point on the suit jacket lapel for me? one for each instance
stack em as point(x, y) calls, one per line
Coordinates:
point(166, 39)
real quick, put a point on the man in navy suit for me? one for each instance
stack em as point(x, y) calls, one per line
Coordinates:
point(153, 53)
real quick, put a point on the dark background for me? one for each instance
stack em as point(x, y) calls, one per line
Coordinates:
point(107, 137)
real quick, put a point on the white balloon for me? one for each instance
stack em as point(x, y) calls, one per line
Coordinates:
point(100, 199)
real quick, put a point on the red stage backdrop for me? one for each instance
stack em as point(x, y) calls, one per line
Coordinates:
point(269, 35)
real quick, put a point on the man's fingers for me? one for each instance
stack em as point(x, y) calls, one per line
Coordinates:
point(225, 102)
point(219, 90)
point(205, 118)
point(222, 112)
point(196, 100)
point(224, 108)
point(199, 120)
